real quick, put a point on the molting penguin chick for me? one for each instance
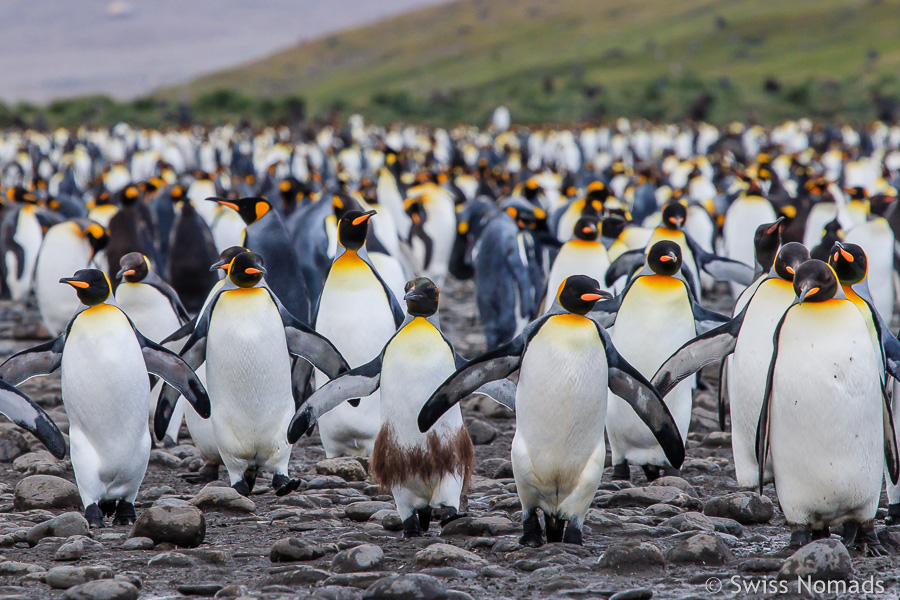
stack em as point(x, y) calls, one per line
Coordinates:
point(425, 472)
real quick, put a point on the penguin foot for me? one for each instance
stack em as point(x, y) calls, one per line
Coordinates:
point(800, 537)
point(554, 526)
point(621, 472)
point(125, 514)
point(207, 473)
point(94, 516)
point(651, 472)
point(893, 514)
point(821, 534)
point(572, 535)
point(867, 542)
point(449, 514)
point(168, 442)
point(411, 527)
point(532, 534)
point(424, 515)
point(850, 533)
point(284, 485)
point(107, 507)
point(669, 471)
point(242, 487)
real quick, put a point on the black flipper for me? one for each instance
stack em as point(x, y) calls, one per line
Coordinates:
point(892, 460)
point(171, 295)
point(501, 391)
point(719, 267)
point(194, 354)
point(42, 359)
point(626, 264)
point(176, 372)
point(712, 346)
point(305, 343)
point(723, 395)
point(627, 382)
point(706, 320)
point(182, 332)
point(605, 312)
point(21, 410)
point(355, 383)
point(762, 427)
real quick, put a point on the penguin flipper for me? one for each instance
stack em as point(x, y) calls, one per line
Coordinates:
point(490, 366)
point(171, 295)
point(501, 391)
point(182, 332)
point(705, 319)
point(355, 383)
point(21, 410)
point(719, 267)
point(42, 359)
point(627, 382)
point(177, 373)
point(605, 312)
point(891, 458)
point(625, 264)
point(705, 349)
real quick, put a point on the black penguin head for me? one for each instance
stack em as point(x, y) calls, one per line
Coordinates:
point(789, 258)
point(586, 229)
point(225, 258)
point(353, 227)
point(177, 194)
point(95, 233)
point(135, 266)
point(91, 285)
point(129, 195)
point(664, 258)
point(815, 281)
point(422, 297)
point(849, 263)
point(613, 226)
point(246, 269)
point(674, 214)
point(578, 294)
point(250, 209)
point(766, 242)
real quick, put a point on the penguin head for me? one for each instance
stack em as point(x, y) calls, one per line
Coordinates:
point(129, 195)
point(251, 209)
point(578, 294)
point(789, 258)
point(353, 227)
point(832, 231)
point(664, 258)
point(815, 281)
point(849, 263)
point(586, 229)
point(135, 266)
point(766, 241)
point(20, 195)
point(421, 297)
point(225, 258)
point(674, 214)
point(91, 285)
point(96, 234)
point(613, 226)
point(246, 269)
point(177, 194)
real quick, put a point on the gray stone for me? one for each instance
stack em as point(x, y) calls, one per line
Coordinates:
point(760, 565)
point(819, 560)
point(164, 459)
point(9, 567)
point(729, 526)
point(39, 463)
point(294, 549)
point(690, 521)
point(411, 586)
point(65, 525)
point(70, 551)
point(479, 526)
point(222, 499)
point(648, 496)
point(495, 468)
point(361, 558)
point(171, 520)
point(155, 493)
point(62, 578)
point(348, 469)
point(298, 576)
point(199, 589)
point(747, 508)
point(102, 590)
point(703, 548)
point(633, 557)
point(481, 432)
point(446, 554)
point(137, 543)
point(662, 510)
point(12, 444)
point(46, 491)
point(363, 511)
point(717, 439)
point(392, 521)
point(638, 594)
point(171, 559)
point(603, 520)
point(678, 482)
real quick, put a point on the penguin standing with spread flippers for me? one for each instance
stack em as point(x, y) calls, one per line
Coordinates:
point(825, 419)
point(154, 308)
point(68, 247)
point(247, 338)
point(191, 251)
point(104, 363)
point(657, 300)
point(424, 472)
point(566, 362)
point(353, 286)
point(581, 255)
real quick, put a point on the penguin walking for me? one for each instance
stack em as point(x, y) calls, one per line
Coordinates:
point(581, 255)
point(657, 305)
point(68, 247)
point(104, 363)
point(566, 362)
point(353, 286)
point(825, 419)
point(154, 308)
point(424, 472)
point(247, 338)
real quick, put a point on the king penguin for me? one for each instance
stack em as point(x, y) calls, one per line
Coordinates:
point(354, 287)
point(566, 362)
point(581, 255)
point(104, 363)
point(424, 472)
point(191, 251)
point(21, 235)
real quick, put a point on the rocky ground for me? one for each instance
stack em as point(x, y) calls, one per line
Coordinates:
point(338, 537)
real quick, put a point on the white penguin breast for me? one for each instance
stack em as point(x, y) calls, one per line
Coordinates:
point(150, 310)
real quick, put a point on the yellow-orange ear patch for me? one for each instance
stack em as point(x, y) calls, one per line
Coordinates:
point(262, 208)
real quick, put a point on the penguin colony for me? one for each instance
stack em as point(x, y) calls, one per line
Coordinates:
point(259, 283)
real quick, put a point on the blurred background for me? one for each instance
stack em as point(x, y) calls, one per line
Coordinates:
point(155, 62)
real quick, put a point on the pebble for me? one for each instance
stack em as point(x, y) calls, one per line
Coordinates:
point(729, 526)
point(479, 526)
point(171, 520)
point(639, 594)
point(445, 554)
point(348, 469)
point(293, 549)
point(46, 491)
point(102, 590)
point(481, 432)
point(495, 468)
point(65, 525)
point(171, 559)
point(12, 444)
point(411, 586)
point(62, 578)
point(360, 581)
point(717, 439)
point(361, 558)
point(155, 493)
point(164, 459)
point(363, 511)
point(690, 521)
point(747, 508)
point(298, 576)
point(199, 589)
point(648, 496)
point(678, 482)
point(39, 463)
point(702, 548)
point(760, 565)
point(662, 510)
point(631, 557)
point(19, 568)
point(70, 551)
point(820, 560)
point(224, 499)
point(137, 543)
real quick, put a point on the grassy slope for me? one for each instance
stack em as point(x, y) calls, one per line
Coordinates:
point(480, 52)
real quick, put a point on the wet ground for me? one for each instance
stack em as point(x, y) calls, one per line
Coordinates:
point(234, 559)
